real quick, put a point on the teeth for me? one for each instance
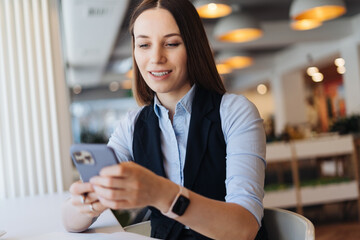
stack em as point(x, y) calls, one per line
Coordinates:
point(159, 74)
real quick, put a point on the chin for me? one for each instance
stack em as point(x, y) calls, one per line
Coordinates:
point(160, 89)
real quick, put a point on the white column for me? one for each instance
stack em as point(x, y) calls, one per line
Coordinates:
point(279, 102)
point(35, 122)
point(294, 93)
point(350, 52)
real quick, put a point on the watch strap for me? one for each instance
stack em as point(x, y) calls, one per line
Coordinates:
point(182, 192)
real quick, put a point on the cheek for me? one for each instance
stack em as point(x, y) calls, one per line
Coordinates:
point(139, 60)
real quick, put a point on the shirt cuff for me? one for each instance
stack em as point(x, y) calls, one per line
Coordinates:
point(252, 205)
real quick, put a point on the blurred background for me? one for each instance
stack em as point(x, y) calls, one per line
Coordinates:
point(298, 61)
point(299, 65)
point(269, 66)
point(66, 70)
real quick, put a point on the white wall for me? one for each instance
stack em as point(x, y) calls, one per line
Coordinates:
point(35, 132)
point(264, 103)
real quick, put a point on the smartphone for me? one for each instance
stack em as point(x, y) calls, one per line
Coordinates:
point(89, 159)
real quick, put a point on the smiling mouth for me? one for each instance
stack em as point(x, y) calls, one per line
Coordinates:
point(160, 74)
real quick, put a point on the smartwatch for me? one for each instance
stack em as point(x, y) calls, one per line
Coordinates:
point(179, 205)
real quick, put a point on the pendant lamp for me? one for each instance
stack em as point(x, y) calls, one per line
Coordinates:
point(305, 24)
point(235, 60)
point(237, 27)
point(212, 8)
point(320, 10)
point(223, 68)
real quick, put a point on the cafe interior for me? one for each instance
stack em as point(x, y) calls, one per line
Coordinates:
point(66, 77)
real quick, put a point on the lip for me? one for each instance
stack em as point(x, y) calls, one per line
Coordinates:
point(159, 77)
point(162, 70)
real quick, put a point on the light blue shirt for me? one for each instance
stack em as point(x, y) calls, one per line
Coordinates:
point(244, 136)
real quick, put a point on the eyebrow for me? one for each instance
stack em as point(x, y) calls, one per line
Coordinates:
point(166, 36)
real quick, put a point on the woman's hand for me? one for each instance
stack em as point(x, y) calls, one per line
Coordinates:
point(85, 200)
point(129, 185)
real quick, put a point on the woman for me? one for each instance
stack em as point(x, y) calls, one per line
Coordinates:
point(193, 153)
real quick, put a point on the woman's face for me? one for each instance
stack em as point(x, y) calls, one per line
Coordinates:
point(160, 53)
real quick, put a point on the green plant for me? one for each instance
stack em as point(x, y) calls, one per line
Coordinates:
point(88, 136)
point(324, 181)
point(350, 124)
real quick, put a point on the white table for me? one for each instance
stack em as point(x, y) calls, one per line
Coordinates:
point(31, 216)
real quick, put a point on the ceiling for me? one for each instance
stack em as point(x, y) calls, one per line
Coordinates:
point(274, 19)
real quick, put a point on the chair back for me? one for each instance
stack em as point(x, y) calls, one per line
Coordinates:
point(286, 225)
point(143, 228)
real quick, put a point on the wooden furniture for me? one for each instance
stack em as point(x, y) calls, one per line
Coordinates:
point(294, 152)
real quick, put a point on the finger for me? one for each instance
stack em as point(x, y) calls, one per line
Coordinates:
point(124, 169)
point(88, 198)
point(78, 200)
point(119, 204)
point(98, 207)
point(91, 197)
point(112, 171)
point(92, 209)
point(108, 182)
point(79, 188)
point(110, 193)
point(84, 199)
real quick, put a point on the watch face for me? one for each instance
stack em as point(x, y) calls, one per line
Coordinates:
point(180, 206)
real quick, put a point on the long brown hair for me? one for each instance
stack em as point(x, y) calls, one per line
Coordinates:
point(201, 65)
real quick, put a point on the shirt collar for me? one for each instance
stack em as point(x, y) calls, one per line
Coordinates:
point(157, 106)
point(185, 102)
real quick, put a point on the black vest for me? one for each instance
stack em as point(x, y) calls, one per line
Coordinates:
point(205, 163)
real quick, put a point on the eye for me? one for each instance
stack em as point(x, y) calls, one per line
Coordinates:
point(143, 45)
point(173, 44)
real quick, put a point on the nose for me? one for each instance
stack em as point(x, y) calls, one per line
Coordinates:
point(158, 55)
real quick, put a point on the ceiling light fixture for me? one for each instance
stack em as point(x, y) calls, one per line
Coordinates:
point(317, 77)
point(237, 27)
point(305, 24)
point(341, 69)
point(212, 9)
point(261, 89)
point(223, 68)
point(339, 62)
point(311, 71)
point(321, 10)
point(235, 60)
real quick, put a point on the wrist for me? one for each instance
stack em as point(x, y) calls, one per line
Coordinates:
point(165, 195)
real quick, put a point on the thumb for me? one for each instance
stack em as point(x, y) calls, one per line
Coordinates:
point(119, 170)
